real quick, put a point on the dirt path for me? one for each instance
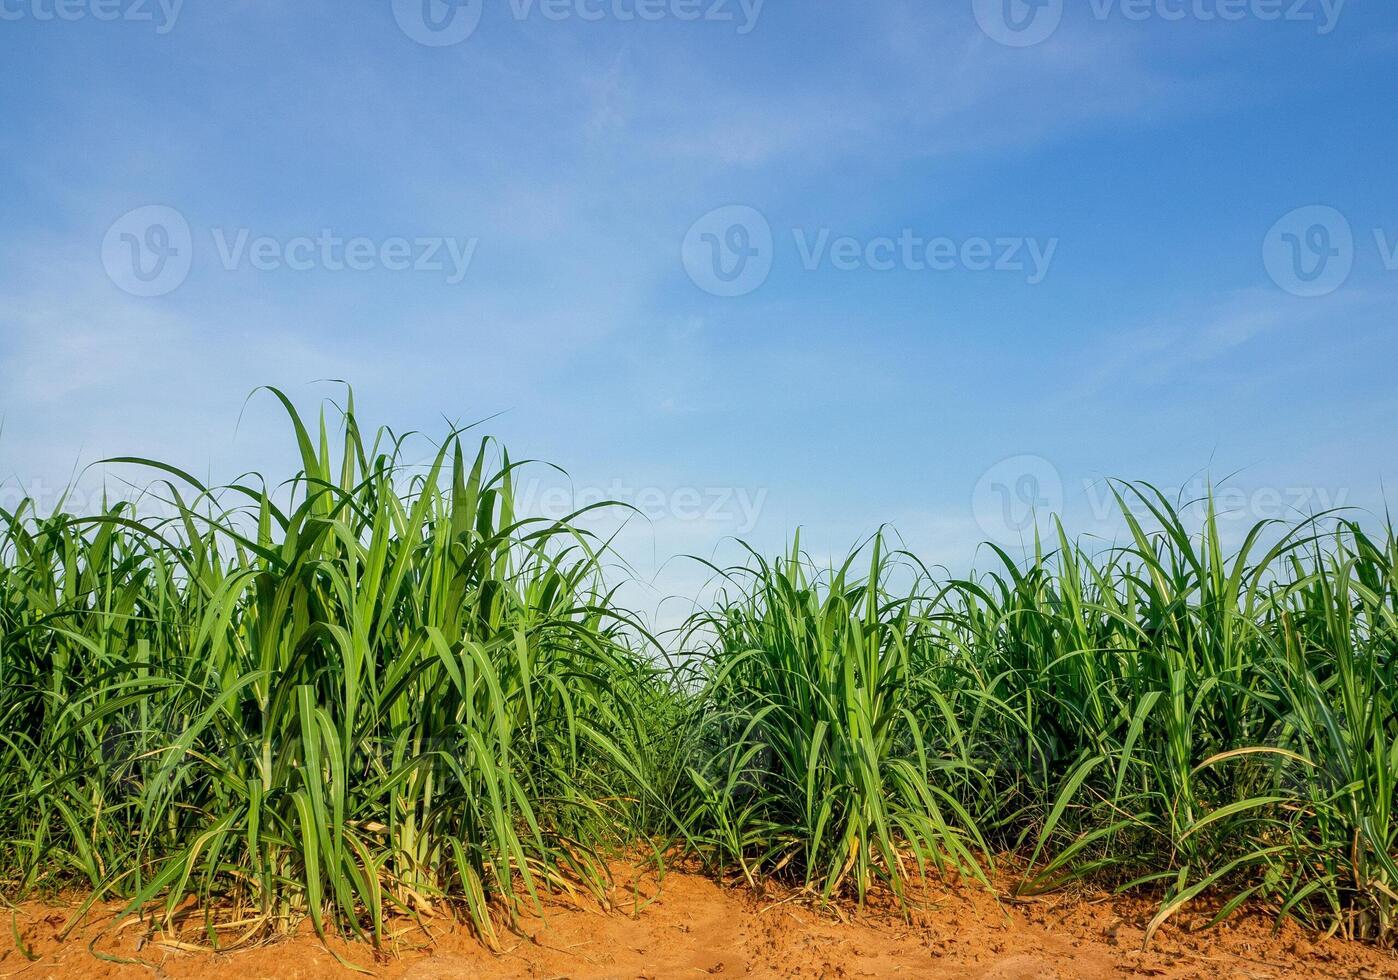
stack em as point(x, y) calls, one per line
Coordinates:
point(693, 928)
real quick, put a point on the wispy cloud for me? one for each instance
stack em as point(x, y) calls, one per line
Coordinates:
point(1157, 351)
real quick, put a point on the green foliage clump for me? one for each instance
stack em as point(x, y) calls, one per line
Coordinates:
point(375, 689)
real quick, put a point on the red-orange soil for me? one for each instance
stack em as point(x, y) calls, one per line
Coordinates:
point(691, 927)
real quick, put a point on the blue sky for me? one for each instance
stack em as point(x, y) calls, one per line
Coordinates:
point(1159, 157)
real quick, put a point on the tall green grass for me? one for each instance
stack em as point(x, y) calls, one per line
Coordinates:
point(1167, 714)
point(828, 747)
point(387, 691)
point(375, 690)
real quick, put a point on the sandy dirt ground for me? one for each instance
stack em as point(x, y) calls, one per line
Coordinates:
point(691, 927)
